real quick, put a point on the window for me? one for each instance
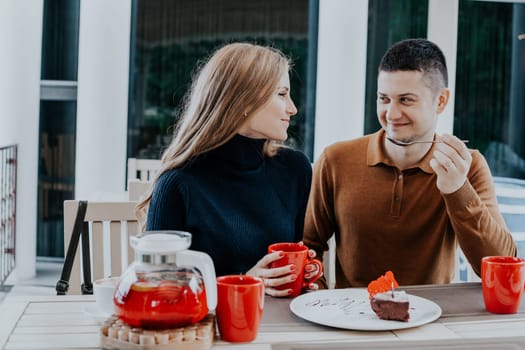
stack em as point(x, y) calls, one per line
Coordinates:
point(170, 37)
point(56, 169)
point(490, 83)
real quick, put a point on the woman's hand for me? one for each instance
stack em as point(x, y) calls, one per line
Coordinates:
point(310, 270)
point(274, 277)
point(278, 276)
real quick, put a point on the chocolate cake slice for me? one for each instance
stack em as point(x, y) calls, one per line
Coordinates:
point(391, 305)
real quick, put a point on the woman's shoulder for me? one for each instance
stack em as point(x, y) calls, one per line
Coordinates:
point(171, 179)
point(293, 158)
point(295, 164)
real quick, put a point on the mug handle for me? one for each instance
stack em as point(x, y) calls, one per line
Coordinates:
point(319, 273)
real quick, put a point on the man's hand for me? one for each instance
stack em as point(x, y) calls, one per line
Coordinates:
point(451, 163)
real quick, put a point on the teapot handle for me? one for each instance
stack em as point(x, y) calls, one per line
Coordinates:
point(203, 262)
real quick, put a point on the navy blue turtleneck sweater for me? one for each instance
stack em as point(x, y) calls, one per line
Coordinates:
point(235, 202)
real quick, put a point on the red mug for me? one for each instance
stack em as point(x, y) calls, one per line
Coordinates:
point(297, 254)
point(240, 302)
point(503, 282)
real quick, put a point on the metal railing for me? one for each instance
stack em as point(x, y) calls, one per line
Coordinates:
point(8, 165)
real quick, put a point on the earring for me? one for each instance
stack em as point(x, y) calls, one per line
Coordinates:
point(245, 114)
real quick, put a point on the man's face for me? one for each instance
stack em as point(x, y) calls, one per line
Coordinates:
point(407, 108)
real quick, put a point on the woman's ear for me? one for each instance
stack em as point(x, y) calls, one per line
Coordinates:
point(443, 97)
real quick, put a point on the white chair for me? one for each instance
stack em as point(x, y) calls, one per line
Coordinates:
point(110, 226)
point(143, 169)
point(329, 263)
point(464, 271)
point(511, 199)
point(137, 189)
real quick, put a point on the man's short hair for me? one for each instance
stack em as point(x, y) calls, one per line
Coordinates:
point(417, 55)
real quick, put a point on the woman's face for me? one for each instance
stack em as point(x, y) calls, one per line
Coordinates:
point(272, 120)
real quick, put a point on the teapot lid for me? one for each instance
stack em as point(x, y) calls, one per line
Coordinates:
point(161, 242)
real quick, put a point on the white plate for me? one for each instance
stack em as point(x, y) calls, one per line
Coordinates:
point(94, 311)
point(350, 309)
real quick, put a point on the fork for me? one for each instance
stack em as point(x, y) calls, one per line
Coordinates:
point(404, 144)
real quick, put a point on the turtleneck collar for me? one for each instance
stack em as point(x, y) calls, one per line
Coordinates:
point(241, 153)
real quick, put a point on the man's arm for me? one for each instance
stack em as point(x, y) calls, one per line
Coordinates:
point(320, 223)
point(475, 217)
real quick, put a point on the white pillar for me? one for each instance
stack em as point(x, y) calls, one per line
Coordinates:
point(20, 53)
point(102, 96)
point(443, 30)
point(341, 71)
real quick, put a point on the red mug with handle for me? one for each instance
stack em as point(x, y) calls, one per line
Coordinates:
point(503, 282)
point(297, 254)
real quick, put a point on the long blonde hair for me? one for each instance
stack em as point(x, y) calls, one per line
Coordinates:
point(237, 80)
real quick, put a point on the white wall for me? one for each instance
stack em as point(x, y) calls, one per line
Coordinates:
point(102, 105)
point(20, 53)
point(341, 71)
point(443, 30)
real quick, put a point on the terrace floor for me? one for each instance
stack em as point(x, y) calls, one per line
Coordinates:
point(47, 275)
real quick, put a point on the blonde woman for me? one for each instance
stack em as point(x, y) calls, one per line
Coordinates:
point(225, 177)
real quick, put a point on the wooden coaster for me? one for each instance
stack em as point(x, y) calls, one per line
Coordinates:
point(115, 334)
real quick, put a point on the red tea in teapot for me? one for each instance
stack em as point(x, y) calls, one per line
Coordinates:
point(168, 285)
point(161, 304)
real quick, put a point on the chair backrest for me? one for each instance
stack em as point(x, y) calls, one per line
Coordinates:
point(464, 271)
point(137, 189)
point(329, 263)
point(110, 226)
point(511, 199)
point(143, 169)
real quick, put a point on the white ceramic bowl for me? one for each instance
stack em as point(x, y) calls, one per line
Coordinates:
point(103, 289)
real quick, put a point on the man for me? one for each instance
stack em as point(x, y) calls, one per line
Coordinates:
point(405, 207)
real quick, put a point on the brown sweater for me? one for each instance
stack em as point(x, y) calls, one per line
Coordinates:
point(387, 219)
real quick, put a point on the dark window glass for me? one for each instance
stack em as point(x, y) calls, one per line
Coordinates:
point(56, 169)
point(56, 173)
point(60, 40)
point(170, 37)
point(490, 83)
point(388, 22)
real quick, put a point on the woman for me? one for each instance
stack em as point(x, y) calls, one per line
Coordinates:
point(225, 178)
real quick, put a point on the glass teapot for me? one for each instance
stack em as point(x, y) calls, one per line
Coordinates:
point(167, 285)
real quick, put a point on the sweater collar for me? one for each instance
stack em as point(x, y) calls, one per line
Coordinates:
point(240, 152)
point(376, 154)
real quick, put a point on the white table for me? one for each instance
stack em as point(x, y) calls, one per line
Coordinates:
point(60, 322)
